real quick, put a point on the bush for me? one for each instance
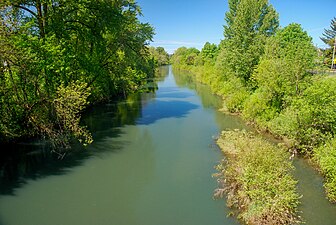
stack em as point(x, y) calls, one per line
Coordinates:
point(235, 93)
point(258, 107)
point(257, 179)
point(325, 155)
point(69, 103)
point(311, 117)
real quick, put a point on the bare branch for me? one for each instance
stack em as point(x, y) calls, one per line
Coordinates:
point(25, 8)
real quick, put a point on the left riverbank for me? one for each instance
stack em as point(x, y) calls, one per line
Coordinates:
point(52, 67)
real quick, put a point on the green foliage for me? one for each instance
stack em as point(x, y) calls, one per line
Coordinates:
point(209, 53)
point(325, 155)
point(257, 179)
point(178, 57)
point(310, 120)
point(235, 93)
point(47, 47)
point(249, 22)
point(69, 102)
point(282, 73)
point(159, 55)
point(329, 35)
point(260, 108)
point(184, 57)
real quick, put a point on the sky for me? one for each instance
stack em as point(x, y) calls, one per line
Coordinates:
point(191, 23)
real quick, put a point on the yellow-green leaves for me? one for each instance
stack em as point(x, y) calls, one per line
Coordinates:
point(69, 103)
point(257, 179)
point(325, 155)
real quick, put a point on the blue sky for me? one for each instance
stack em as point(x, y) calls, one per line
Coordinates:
point(191, 23)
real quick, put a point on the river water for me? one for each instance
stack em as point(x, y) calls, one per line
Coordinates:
point(151, 163)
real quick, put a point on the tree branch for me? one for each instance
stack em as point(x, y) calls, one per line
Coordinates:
point(25, 8)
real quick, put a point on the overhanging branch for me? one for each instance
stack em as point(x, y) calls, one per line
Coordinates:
point(26, 9)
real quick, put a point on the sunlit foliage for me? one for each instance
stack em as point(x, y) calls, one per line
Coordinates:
point(51, 51)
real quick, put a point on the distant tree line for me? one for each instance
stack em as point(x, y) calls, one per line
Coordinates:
point(57, 57)
point(160, 56)
point(264, 72)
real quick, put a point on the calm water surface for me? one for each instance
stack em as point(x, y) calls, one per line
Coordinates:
point(150, 164)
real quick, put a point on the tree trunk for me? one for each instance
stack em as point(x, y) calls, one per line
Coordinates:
point(40, 18)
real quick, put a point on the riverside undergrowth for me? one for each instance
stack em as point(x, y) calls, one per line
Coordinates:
point(256, 177)
point(265, 73)
point(307, 123)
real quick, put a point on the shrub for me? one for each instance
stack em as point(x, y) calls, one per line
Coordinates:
point(234, 92)
point(257, 179)
point(259, 107)
point(311, 117)
point(325, 155)
point(69, 103)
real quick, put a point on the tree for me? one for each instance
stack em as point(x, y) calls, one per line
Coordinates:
point(52, 51)
point(230, 18)
point(191, 56)
point(209, 52)
point(329, 35)
point(249, 22)
point(160, 56)
point(282, 73)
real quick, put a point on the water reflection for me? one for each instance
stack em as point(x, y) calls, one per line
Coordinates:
point(210, 101)
point(159, 173)
point(161, 73)
point(157, 110)
point(32, 161)
point(171, 94)
point(316, 209)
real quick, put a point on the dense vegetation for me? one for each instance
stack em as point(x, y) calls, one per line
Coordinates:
point(265, 73)
point(56, 57)
point(257, 179)
point(160, 56)
point(329, 38)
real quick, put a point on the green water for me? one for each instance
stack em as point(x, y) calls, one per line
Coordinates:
point(150, 164)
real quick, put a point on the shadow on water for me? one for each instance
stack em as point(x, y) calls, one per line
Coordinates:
point(157, 110)
point(178, 95)
point(25, 161)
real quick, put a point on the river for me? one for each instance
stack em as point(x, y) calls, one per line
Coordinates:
point(151, 163)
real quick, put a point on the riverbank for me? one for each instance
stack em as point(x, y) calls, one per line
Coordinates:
point(257, 179)
point(306, 125)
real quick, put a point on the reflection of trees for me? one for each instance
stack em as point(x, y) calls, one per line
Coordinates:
point(107, 189)
point(34, 160)
point(208, 99)
point(184, 79)
point(161, 73)
point(130, 176)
